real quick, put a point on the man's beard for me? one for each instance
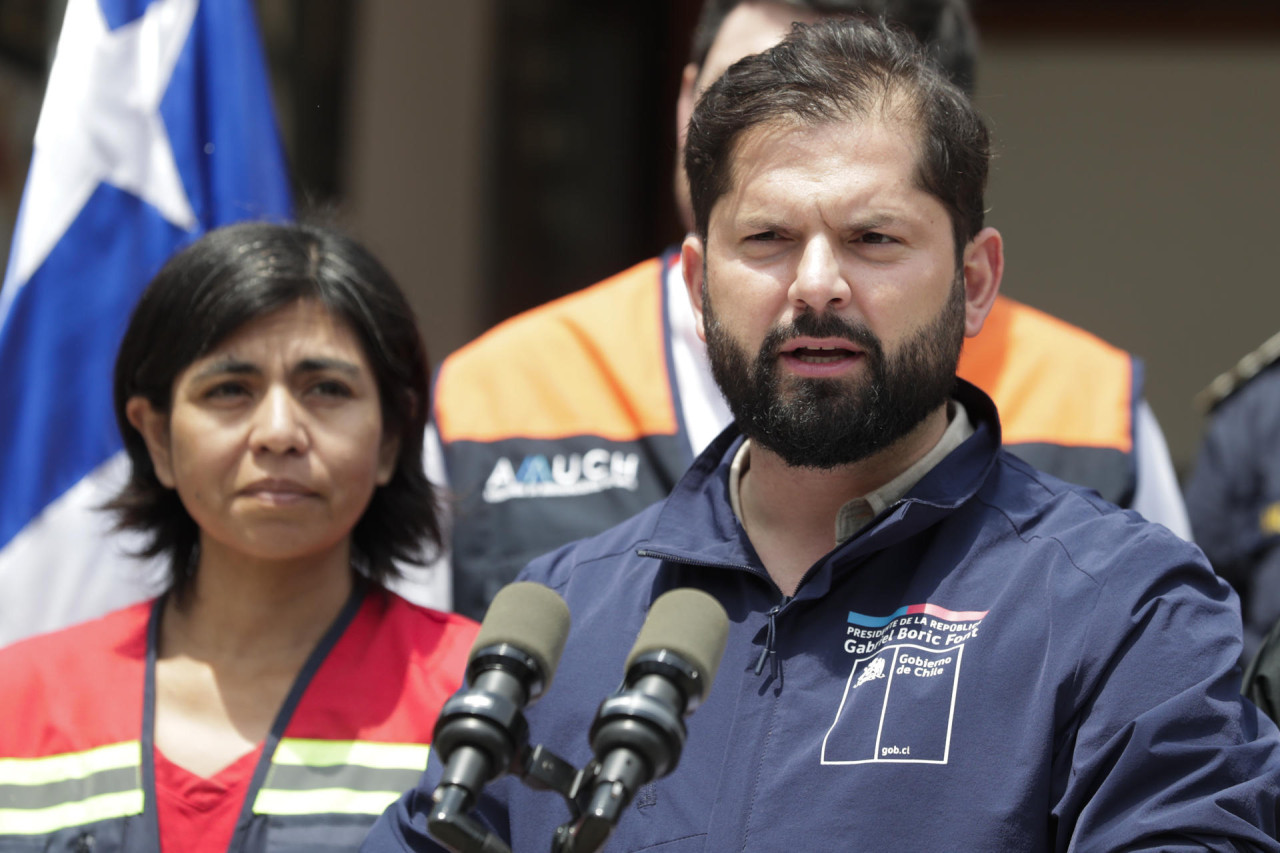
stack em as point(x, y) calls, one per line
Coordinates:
point(824, 423)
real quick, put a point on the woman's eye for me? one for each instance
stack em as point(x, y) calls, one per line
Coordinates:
point(331, 388)
point(226, 391)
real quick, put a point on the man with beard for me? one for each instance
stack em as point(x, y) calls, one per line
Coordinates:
point(931, 645)
point(578, 414)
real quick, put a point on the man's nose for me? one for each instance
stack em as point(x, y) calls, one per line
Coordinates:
point(819, 281)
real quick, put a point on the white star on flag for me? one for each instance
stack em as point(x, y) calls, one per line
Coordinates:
point(100, 122)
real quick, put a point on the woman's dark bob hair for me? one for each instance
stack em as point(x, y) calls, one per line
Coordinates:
point(215, 286)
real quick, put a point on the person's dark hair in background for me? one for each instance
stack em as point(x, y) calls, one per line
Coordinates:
point(833, 78)
point(217, 285)
point(945, 27)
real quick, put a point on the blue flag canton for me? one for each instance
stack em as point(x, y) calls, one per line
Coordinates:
point(58, 341)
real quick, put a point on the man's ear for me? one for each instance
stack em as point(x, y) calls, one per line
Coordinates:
point(983, 270)
point(692, 258)
point(685, 102)
point(153, 426)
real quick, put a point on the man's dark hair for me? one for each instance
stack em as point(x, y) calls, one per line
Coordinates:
point(212, 288)
point(836, 70)
point(944, 27)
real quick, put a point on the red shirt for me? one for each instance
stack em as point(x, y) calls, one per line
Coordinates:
point(198, 814)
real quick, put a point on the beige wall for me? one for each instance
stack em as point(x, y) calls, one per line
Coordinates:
point(415, 172)
point(1137, 187)
point(1136, 184)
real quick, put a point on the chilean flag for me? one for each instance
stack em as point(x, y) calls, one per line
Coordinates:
point(156, 127)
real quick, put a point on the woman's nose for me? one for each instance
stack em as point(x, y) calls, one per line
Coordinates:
point(278, 424)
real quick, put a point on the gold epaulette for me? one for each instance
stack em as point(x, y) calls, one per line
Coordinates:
point(1245, 369)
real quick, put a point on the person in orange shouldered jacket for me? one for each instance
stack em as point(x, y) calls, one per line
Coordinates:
point(571, 417)
point(271, 390)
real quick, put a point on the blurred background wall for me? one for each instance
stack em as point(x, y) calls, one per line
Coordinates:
point(497, 153)
point(1137, 186)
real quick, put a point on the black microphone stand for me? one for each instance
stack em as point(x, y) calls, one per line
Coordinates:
point(638, 735)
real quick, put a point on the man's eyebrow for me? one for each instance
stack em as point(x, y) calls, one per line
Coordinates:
point(872, 223)
point(764, 220)
point(759, 221)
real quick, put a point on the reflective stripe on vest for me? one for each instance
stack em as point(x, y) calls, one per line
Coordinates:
point(42, 795)
point(339, 777)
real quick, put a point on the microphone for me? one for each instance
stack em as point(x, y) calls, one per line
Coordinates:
point(482, 729)
point(639, 732)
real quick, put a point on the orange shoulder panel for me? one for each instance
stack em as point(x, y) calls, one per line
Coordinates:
point(1052, 382)
point(590, 363)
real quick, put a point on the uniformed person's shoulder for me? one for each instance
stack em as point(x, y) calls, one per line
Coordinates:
point(1261, 682)
point(1251, 372)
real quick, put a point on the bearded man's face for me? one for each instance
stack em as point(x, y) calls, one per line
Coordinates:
point(826, 422)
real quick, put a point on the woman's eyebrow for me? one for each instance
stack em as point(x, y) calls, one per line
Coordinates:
point(318, 364)
point(226, 365)
point(240, 367)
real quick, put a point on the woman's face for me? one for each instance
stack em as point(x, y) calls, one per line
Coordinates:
point(274, 441)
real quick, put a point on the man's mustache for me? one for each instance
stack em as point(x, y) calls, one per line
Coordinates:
point(825, 325)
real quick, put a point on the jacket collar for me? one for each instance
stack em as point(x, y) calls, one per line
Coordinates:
point(697, 524)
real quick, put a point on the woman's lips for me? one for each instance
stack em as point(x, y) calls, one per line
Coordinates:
point(278, 491)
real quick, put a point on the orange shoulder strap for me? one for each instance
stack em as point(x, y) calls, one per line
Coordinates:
point(590, 363)
point(1052, 382)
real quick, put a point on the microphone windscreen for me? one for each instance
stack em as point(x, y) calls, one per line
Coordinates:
point(530, 617)
point(690, 623)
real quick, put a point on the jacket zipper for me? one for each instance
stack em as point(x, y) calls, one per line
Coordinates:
point(769, 652)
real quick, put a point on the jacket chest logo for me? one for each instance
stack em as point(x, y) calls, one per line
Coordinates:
point(562, 475)
point(899, 701)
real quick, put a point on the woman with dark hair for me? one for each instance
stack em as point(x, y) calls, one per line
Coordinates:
point(272, 390)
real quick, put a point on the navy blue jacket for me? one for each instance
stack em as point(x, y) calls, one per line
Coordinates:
point(1000, 661)
point(1233, 499)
